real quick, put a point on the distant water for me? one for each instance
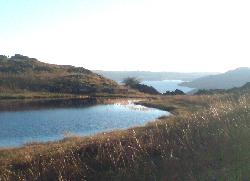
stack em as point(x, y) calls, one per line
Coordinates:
point(56, 121)
point(165, 85)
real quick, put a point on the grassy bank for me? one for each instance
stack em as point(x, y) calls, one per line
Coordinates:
point(37, 95)
point(206, 138)
point(28, 95)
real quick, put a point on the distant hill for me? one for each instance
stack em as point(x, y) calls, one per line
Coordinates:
point(153, 76)
point(230, 79)
point(242, 90)
point(21, 73)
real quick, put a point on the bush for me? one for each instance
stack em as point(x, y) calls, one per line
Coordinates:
point(130, 81)
point(176, 92)
point(145, 89)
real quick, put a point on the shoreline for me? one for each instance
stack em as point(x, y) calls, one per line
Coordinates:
point(67, 103)
point(193, 143)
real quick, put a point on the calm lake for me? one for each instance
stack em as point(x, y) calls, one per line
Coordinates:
point(23, 122)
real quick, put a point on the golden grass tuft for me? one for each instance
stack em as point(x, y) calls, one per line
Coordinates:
point(208, 139)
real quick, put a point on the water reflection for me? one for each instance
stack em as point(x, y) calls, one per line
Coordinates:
point(47, 104)
point(53, 120)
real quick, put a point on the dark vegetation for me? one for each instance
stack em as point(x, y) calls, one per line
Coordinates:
point(145, 89)
point(206, 138)
point(130, 81)
point(176, 92)
point(23, 74)
point(135, 83)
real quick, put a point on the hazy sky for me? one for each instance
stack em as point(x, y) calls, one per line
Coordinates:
point(152, 35)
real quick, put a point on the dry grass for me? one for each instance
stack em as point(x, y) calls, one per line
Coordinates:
point(208, 139)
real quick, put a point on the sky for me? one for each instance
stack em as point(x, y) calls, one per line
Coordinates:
point(145, 35)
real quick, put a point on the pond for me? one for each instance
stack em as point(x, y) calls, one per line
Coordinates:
point(24, 122)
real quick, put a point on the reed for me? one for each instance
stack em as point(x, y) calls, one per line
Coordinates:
point(208, 139)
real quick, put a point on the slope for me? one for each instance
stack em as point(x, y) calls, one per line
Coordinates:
point(230, 79)
point(21, 74)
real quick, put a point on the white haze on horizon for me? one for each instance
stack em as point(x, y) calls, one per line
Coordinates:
point(145, 35)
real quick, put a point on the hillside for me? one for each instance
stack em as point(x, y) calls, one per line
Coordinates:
point(153, 76)
point(230, 79)
point(236, 90)
point(21, 74)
